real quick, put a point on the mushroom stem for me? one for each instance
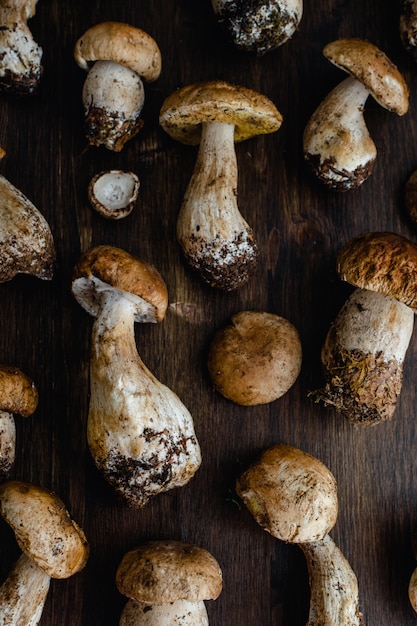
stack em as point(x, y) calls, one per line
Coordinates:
point(178, 613)
point(215, 238)
point(7, 443)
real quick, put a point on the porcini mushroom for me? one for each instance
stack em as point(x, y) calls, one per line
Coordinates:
point(113, 193)
point(20, 55)
point(140, 434)
point(293, 496)
point(256, 359)
point(216, 240)
point(258, 26)
point(336, 141)
point(52, 544)
point(117, 57)
point(408, 26)
point(364, 350)
point(167, 583)
point(18, 394)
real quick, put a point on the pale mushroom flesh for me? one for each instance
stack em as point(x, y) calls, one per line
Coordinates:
point(113, 194)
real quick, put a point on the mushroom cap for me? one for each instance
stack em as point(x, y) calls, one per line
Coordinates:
point(368, 64)
point(18, 393)
point(114, 268)
point(120, 43)
point(184, 111)
point(43, 528)
point(256, 359)
point(160, 572)
point(383, 262)
point(113, 193)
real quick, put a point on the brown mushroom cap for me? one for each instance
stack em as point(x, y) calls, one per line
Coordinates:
point(186, 109)
point(383, 262)
point(120, 43)
point(368, 64)
point(160, 572)
point(18, 393)
point(43, 528)
point(120, 271)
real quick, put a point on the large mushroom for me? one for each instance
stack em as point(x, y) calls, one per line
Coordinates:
point(117, 56)
point(336, 141)
point(140, 434)
point(216, 240)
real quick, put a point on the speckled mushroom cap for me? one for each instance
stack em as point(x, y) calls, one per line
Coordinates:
point(120, 43)
point(368, 64)
point(43, 528)
point(18, 393)
point(186, 109)
point(383, 262)
point(111, 267)
point(160, 572)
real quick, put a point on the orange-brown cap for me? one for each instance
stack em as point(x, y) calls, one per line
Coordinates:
point(18, 393)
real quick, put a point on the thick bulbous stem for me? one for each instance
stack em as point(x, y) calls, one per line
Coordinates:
point(217, 242)
point(178, 613)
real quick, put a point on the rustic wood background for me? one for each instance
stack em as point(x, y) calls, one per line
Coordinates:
point(299, 225)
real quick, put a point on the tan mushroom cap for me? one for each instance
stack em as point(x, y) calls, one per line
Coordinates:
point(383, 262)
point(368, 64)
point(121, 43)
point(18, 393)
point(160, 572)
point(186, 109)
point(122, 271)
point(43, 528)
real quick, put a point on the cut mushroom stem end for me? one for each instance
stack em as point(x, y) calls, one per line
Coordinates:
point(114, 193)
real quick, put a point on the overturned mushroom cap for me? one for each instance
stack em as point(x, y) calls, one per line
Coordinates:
point(113, 194)
point(186, 109)
point(121, 43)
point(43, 528)
point(160, 572)
point(383, 262)
point(368, 64)
point(106, 267)
point(18, 393)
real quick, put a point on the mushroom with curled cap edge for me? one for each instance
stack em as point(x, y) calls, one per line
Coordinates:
point(336, 141)
point(117, 56)
point(141, 436)
point(293, 496)
point(216, 241)
point(167, 583)
point(52, 544)
point(113, 193)
point(365, 347)
point(18, 394)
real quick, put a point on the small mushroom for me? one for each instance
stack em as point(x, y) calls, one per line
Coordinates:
point(113, 194)
point(217, 242)
point(117, 57)
point(408, 26)
point(140, 434)
point(336, 141)
point(293, 496)
point(258, 26)
point(167, 583)
point(52, 544)
point(20, 55)
point(26, 242)
point(364, 350)
point(256, 359)
point(18, 394)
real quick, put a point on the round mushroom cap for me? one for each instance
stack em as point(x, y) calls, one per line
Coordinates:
point(383, 262)
point(113, 193)
point(18, 393)
point(160, 572)
point(256, 359)
point(120, 43)
point(186, 109)
point(43, 528)
point(368, 64)
point(107, 267)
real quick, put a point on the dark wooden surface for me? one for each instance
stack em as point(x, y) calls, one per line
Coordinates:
point(299, 225)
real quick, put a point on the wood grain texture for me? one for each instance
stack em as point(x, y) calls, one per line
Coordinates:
point(300, 227)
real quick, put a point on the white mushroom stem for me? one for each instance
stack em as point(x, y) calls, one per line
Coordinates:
point(215, 238)
point(334, 597)
point(178, 613)
point(7, 443)
point(23, 594)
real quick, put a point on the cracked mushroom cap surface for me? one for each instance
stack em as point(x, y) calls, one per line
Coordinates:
point(121, 43)
point(384, 262)
point(161, 572)
point(252, 113)
point(43, 528)
point(18, 393)
point(369, 65)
